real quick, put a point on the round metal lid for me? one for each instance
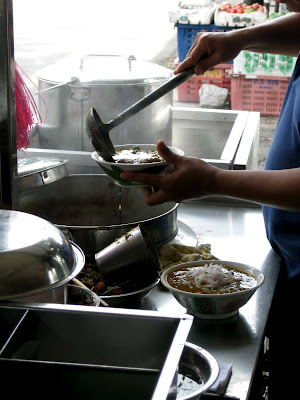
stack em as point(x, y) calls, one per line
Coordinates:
point(34, 255)
point(104, 69)
point(37, 171)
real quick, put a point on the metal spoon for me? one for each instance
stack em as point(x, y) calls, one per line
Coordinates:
point(98, 131)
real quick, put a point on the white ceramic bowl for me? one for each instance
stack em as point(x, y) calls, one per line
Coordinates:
point(213, 306)
point(114, 170)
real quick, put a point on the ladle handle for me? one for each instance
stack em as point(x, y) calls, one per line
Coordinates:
point(156, 94)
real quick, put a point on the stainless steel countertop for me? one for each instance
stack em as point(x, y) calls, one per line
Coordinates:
point(237, 233)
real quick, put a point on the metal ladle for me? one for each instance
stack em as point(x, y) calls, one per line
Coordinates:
point(98, 131)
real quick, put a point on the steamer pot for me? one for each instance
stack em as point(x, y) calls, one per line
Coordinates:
point(92, 211)
point(111, 84)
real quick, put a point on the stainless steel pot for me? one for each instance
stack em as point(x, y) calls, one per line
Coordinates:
point(37, 171)
point(92, 211)
point(110, 84)
point(35, 257)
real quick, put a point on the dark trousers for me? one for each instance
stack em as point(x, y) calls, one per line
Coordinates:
point(284, 339)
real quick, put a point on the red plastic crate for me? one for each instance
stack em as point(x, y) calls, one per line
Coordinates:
point(264, 93)
point(220, 76)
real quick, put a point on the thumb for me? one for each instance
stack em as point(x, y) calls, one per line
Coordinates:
point(166, 153)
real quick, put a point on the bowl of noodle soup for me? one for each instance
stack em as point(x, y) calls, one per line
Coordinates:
point(136, 158)
point(212, 289)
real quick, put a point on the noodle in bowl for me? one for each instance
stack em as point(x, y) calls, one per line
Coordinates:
point(212, 289)
point(153, 165)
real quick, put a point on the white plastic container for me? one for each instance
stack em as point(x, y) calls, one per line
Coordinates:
point(224, 18)
point(193, 12)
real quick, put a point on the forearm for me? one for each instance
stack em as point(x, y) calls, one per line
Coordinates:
point(279, 189)
point(193, 177)
point(280, 36)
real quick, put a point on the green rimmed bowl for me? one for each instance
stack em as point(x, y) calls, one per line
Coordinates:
point(213, 306)
point(113, 170)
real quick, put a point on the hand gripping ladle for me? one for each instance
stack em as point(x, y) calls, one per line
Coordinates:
point(98, 131)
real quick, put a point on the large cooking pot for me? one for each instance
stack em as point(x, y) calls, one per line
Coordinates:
point(92, 211)
point(111, 84)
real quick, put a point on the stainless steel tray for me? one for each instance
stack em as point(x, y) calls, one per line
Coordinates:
point(117, 353)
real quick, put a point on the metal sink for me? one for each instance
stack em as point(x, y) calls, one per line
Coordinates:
point(90, 352)
point(225, 138)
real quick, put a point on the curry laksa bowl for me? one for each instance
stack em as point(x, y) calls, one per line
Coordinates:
point(212, 289)
point(134, 157)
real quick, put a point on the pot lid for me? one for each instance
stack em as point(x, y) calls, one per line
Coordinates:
point(34, 255)
point(97, 69)
point(38, 171)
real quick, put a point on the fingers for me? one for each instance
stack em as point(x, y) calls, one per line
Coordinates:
point(167, 153)
point(188, 62)
point(155, 192)
point(152, 198)
point(203, 54)
point(153, 179)
point(147, 179)
point(152, 194)
point(194, 55)
point(155, 196)
point(201, 64)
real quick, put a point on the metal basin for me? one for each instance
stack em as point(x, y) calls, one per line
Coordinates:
point(92, 211)
point(132, 298)
point(81, 296)
point(198, 371)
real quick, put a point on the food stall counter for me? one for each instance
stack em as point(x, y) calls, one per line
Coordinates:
point(235, 230)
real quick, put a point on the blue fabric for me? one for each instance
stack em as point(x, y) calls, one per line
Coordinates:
point(283, 227)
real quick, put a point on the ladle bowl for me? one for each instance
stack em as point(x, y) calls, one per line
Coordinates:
point(98, 132)
point(100, 141)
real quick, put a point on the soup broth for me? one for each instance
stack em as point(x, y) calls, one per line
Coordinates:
point(137, 156)
point(210, 279)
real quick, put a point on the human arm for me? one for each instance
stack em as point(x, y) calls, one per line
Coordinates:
point(279, 36)
point(193, 177)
